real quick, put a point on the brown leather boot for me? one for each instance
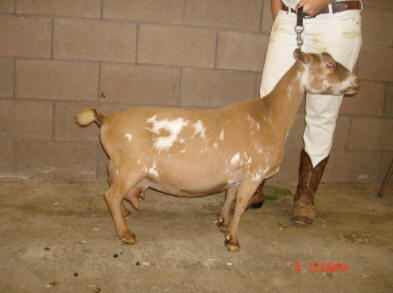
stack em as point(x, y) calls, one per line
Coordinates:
point(303, 200)
point(258, 197)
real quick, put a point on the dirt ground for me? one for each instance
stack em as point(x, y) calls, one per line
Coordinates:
point(58, 236)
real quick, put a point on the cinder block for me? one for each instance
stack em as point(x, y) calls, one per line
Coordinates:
point(56, 159)
point(371, 134)
point(7, 6)
point(25, 36)
point(267, 17)
point(176, 46)
point(341, 133)
point(138, 84)
point(384, 159)
point(66, 129)
point(389, 101)
point(6, 77)
point(378, 3)
point(164, 11)
point(368, 102)
point(289, 167)
point(373, 20)
point(375, 63)
point(26, 119)
point(213, 88)
point(102, 169)
point(58, 80)
point(7, 151)
point(229, 14)
point(353, 166)
point(243, 51)
point(82, 8)
point(89, 39)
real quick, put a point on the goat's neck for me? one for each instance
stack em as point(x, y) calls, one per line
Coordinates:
point(282, 104)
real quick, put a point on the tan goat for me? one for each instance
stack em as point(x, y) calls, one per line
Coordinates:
point(192, 153)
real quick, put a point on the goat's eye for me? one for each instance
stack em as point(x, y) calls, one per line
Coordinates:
point(331, 65)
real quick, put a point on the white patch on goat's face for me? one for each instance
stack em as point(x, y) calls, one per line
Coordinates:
point(235, 159)
point(153, 171)
point(174, 127)
point(199, 129)
point(222, 134)
point(128, 136)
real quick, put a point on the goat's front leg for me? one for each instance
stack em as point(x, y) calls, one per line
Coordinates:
point(223, 218)
point(246, 190)
point(114, 197)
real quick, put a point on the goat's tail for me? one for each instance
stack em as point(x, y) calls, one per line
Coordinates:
point(87, 116)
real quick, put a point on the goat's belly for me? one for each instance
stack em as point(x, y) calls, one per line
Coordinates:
point(186, 190)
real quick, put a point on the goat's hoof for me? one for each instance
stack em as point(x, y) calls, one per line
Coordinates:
point(128, 238)
point(231, 244)
point(221, 225)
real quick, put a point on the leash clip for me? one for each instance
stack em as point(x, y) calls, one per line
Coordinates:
point(299, 28)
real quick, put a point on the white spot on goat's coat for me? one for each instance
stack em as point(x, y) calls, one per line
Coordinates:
point(128, 136)
point(235, 159)
point(199, 129)
point(153, 170)
point(253, 121)
point(222, 134)
point(174, 128)
point(257, 176)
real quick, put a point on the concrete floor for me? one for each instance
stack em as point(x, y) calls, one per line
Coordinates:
point(58, 236)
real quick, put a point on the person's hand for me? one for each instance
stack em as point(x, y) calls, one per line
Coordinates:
point(312, 7)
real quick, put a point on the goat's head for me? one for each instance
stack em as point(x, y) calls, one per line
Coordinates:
point(321, 74)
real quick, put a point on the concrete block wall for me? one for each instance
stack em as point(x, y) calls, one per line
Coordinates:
point(60, 56)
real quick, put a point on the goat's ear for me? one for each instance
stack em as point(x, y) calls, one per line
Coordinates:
point(300, 56)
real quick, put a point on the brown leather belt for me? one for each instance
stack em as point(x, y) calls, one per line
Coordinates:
point(336, 7)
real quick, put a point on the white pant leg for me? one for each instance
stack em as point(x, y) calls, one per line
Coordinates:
point(342, 40)
point(338, 34)
point(279, 55)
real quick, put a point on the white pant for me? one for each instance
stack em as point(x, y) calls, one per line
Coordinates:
point(338, 34)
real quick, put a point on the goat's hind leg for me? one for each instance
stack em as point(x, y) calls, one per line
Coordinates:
point(223, 218)
point(112, 174)
point(114, 197)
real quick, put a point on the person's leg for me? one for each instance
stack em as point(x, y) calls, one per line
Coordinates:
point(339, 35)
